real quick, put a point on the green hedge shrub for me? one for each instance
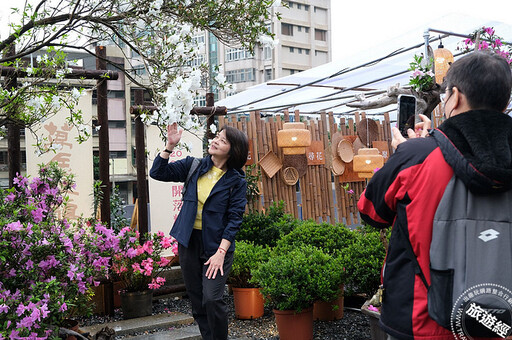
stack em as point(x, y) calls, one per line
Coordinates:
point(363, 261)
point(331, 239)
point(265, 229)
point(294, 280)
point(247, 257)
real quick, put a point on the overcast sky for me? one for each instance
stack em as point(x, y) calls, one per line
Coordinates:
point(360, 24)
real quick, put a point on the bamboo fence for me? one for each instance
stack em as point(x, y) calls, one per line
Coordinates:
point(319, 194)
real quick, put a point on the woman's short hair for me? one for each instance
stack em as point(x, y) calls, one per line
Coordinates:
point(239, 149)
point(484, 78)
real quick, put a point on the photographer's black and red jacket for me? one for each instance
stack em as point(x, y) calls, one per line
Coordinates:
point(475, 146)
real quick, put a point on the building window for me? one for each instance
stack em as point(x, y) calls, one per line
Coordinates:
point(198, 39)
point(286, 29)
point(292, 49)
point(268, 74)
point(306, 8)
point(290, 4)
point(320, 35)
point(240, 53)
point(139, 70)
point(115, 94)
point(299, 6)
point(241, 76)
point(300, 50)
point(200, 101)
point(117, 124)
point(299, 28)
point(307, 29)
point(197, 60)
point(267, 53)
point(117, 154)
point(307, 51)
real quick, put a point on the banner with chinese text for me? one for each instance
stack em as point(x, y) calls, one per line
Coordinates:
point(69, 154)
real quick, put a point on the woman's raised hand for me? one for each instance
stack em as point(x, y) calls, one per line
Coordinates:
point(173, 135)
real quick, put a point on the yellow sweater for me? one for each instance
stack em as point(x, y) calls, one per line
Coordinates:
point(205, 184)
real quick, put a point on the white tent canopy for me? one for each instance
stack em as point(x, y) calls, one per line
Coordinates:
point(331, 86)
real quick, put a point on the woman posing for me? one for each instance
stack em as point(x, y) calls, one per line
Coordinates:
point(213, 206)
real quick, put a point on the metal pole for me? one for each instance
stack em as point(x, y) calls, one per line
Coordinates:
point(140, 158)
point(13, 129)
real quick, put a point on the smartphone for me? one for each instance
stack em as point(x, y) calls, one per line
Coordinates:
point(407, 116)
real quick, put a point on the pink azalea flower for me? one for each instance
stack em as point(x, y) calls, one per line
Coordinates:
point(372, 308)
point(489, 30)
point(163, 262)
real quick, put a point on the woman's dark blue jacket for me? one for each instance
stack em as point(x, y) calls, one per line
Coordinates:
point(222, 211)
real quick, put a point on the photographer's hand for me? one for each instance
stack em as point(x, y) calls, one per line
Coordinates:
point(420, 130)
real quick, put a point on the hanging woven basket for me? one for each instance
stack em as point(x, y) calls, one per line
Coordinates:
point(270, 164)
point(290, 176)
point(338, 167)
point(368, 131)
point(345, 150)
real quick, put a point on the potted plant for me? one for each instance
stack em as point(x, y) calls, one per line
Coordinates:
point(138, 266)
point(292, 281)
point(247, 297)
point(48, 264)
point(331, 239)
point(363, 264)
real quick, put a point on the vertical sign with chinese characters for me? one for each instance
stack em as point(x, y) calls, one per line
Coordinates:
point(69, 154)
point(165, 197)
point(315, 153)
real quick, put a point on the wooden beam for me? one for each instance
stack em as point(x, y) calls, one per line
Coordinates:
point(74, 74)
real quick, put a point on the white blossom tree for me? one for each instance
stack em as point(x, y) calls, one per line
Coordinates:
point(161, 32)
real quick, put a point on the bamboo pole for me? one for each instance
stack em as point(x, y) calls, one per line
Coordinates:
point(326, 171)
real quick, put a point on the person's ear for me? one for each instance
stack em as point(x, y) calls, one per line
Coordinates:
point(456, 101)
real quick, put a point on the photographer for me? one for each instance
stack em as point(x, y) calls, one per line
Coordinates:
point(472, 147)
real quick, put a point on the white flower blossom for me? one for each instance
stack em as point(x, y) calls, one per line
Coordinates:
point(75, 93)
point(55, 147)
point(268, 41)
point(213, 128)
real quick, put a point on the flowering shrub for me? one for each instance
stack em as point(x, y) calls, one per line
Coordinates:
point(47, 264)
point(422, 77)
point(138, 266)
point(487, 40)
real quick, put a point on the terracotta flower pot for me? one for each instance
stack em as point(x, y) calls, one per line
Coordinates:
point(328, 310)
point(248, 303)
point(295, 326)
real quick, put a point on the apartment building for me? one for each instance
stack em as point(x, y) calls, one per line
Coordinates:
point(304, 35)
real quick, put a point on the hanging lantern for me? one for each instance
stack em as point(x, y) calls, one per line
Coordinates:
point(294, 138)
point(367, 161)
point(443, 58)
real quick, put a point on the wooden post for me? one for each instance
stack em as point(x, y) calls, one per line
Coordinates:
point(140, 157)
point(104, 151)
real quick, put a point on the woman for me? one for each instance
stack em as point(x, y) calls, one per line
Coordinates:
point(213, 206)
